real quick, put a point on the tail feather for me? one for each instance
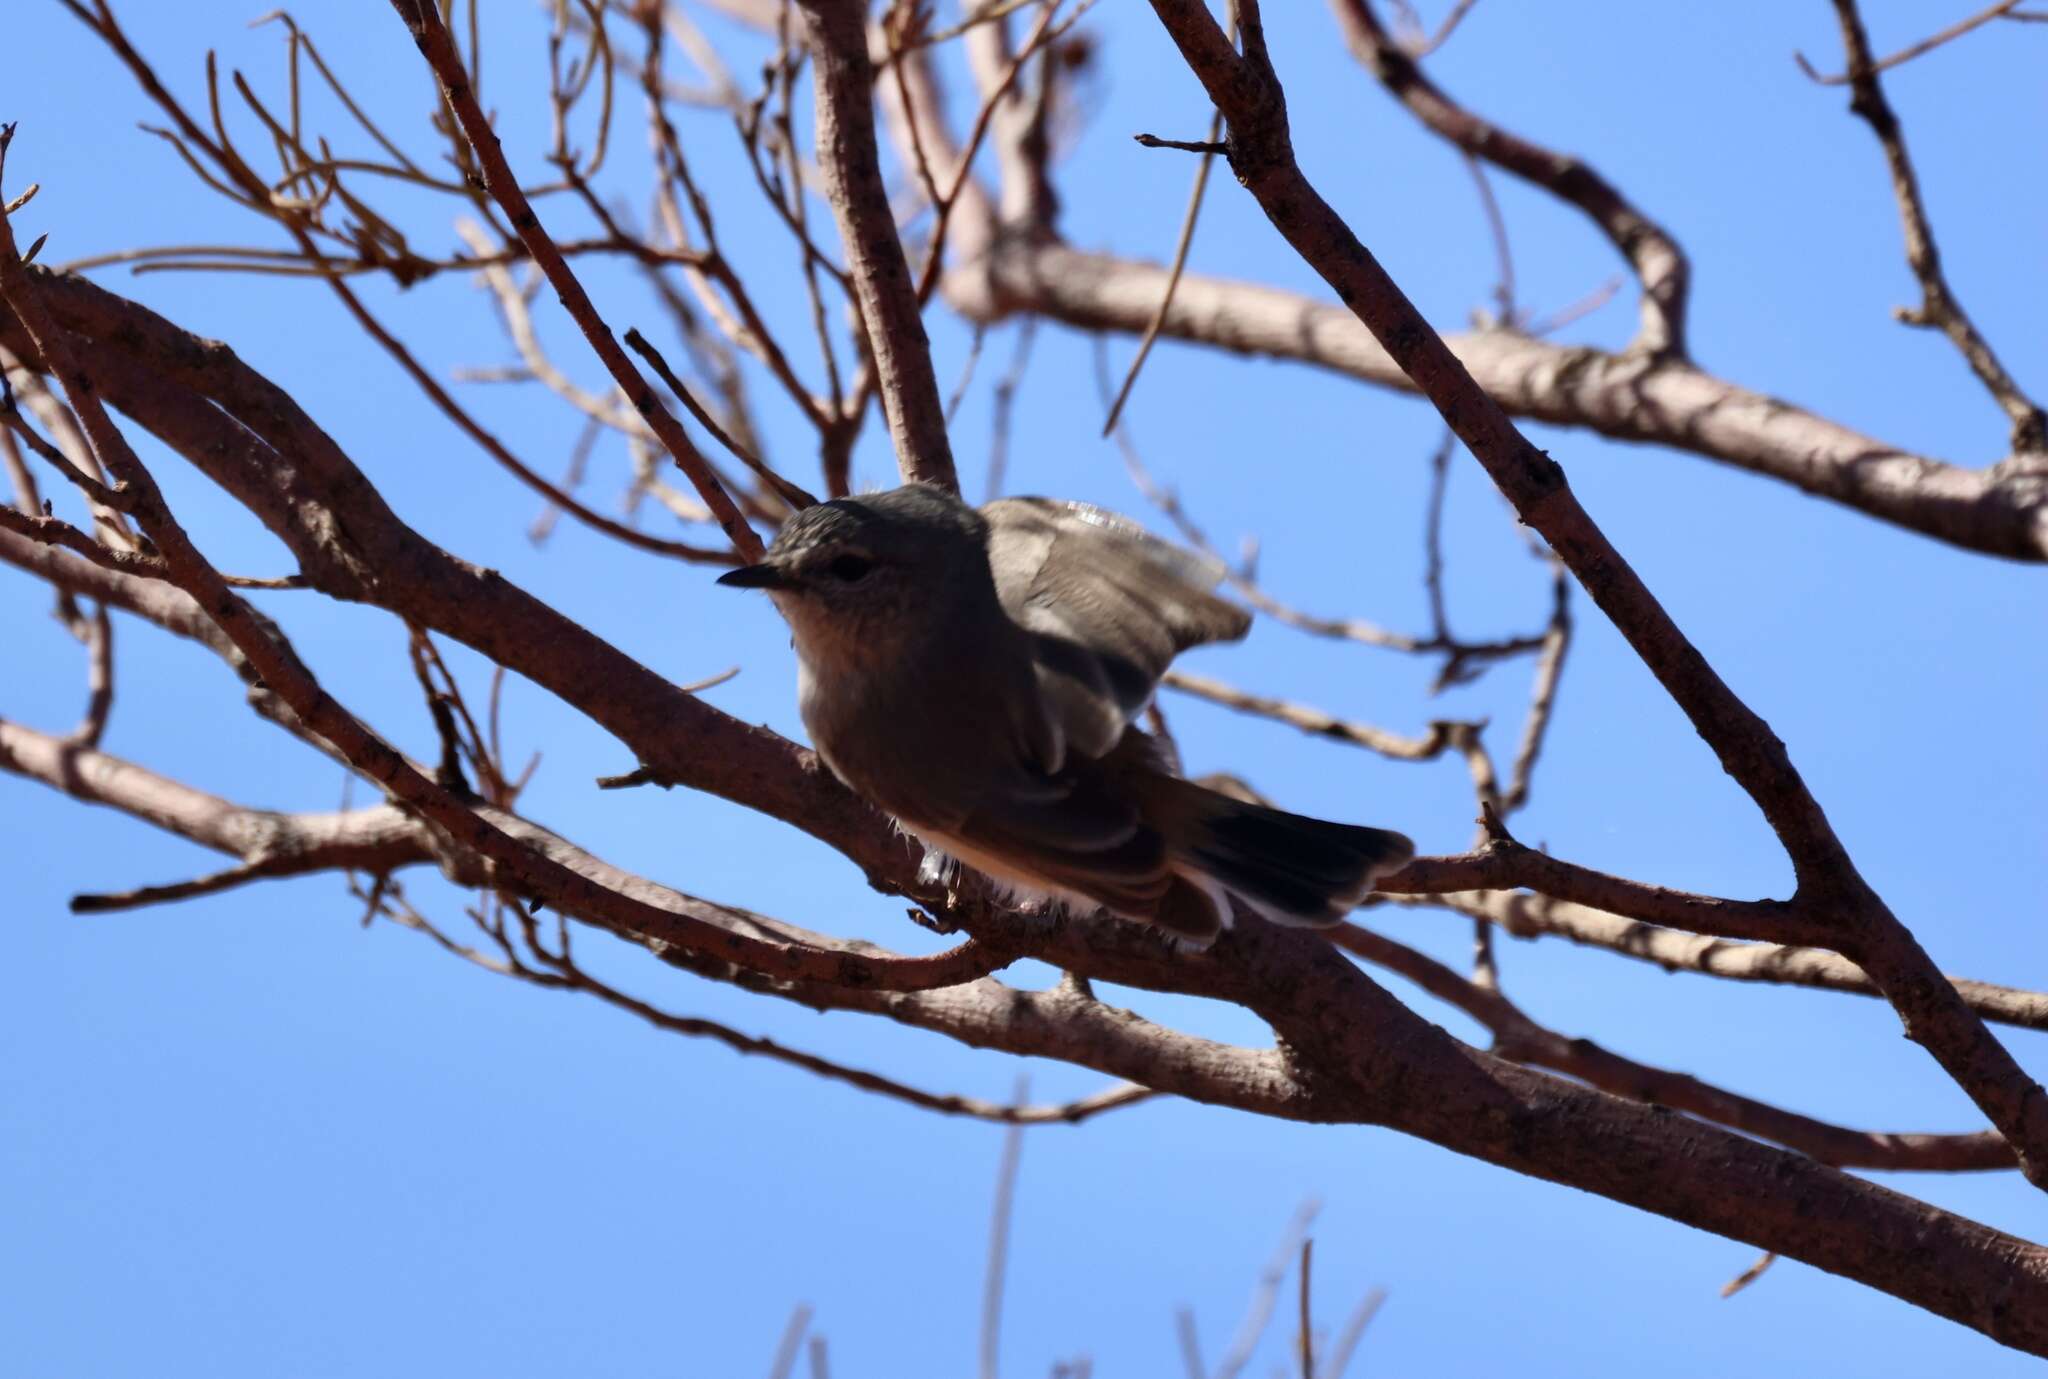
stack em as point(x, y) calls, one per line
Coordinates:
point(1290, 868)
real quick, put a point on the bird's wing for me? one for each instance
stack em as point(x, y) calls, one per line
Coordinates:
point(1107, 605)
point(1081, 832)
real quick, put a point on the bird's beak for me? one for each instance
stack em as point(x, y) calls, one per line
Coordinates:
point(755, 577)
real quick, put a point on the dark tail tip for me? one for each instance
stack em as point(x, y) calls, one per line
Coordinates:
point(1291, 868)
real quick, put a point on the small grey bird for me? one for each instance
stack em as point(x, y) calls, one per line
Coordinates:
point(978, 674)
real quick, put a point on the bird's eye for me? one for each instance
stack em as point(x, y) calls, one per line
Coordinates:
point(850, 569)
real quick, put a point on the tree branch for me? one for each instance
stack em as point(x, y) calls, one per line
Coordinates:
point(266, 843)
point(2002, 510)
point(1261, 154)
point(1635, 396)
point(1925, 45)
point(423, 20)
point(1521, 1039)
point(1331, 1016)
point(1659, 264)
point(845, 86)
point(1531, 916)
point(1938, 305)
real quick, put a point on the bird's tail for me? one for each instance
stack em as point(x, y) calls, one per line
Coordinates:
point(1290, 868)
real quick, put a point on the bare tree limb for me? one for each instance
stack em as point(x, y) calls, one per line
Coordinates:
point(266, 843)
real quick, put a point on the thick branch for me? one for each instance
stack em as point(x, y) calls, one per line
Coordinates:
point(2002, 510)
point(1389, 1066)
point(270, 843)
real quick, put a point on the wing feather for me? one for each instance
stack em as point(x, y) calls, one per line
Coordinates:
point(1108, 606)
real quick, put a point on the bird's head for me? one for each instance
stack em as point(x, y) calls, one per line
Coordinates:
point(857, 577)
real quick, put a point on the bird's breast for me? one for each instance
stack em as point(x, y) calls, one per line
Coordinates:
point(864, 734)
point(927, 740)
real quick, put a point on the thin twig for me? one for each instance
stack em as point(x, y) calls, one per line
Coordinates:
point(1190, 1343)
point(1043, 35)
point(97, 632)
point(1315, 721)
point(213, 883)
point(1939, 307)
point(1497, 227)
point(999, 1240)
point(1912, 50)
point(1557, 642)
point(1306, 1339)
point(1749, 1275)
point(1266, 1293)
point(1002, 401)
point(1338, 1358)
point(791, 493)
point(435, 45)
point(1459, 655)
point(12, 419)
point(1206, 147)
point(1421, 45)
point(54, 531)
point(1180, 258)
point(561, 974)
point(792, 1341)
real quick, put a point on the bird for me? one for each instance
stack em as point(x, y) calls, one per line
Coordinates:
point(980, 675)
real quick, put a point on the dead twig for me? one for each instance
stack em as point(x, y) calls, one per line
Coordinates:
point(1939, 308)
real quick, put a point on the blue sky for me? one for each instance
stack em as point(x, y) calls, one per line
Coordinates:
point(247, 1137)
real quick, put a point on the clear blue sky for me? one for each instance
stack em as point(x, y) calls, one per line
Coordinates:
point(246, 1137)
